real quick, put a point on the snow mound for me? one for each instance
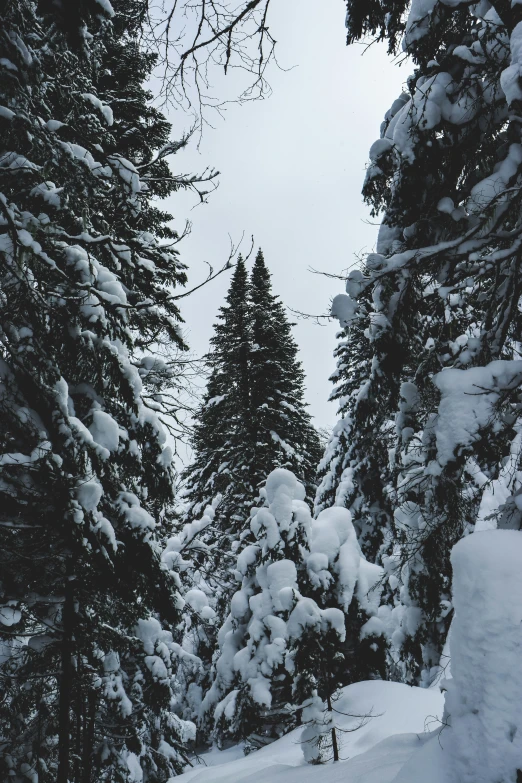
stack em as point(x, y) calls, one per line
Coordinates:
point(485, 694)
point(372, 754)
point(481, 741)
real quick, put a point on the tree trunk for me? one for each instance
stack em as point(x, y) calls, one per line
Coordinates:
point(65, 685)
point(88, 738)
point(335, 747)
point(80, 724)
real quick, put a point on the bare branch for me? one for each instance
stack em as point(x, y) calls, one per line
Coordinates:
point(192, 37)
point(310, 317)
point(212, 274)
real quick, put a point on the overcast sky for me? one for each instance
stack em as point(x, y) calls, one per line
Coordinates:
point(292, 168)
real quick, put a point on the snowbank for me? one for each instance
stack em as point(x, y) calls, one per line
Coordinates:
point(485, 694)
point(372, 754)
point(482, 739)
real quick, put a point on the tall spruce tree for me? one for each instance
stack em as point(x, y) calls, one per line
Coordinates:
point(221, 439)
point(428, 448)
point(253, 417)
point(86, 661)
point(281, 427)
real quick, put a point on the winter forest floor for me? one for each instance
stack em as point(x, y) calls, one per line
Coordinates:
point(381, 751)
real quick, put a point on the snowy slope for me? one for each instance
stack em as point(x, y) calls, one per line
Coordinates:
point(375, 753)
point(405, 742)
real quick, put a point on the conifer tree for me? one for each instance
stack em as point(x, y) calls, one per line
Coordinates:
point(257, 689)
point(281, 427)
point(221, 438)
point(87, 663)
point(253, 417)
point(305, 598)
point(429, 445)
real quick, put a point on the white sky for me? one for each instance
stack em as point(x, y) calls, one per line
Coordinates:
point(292, 168)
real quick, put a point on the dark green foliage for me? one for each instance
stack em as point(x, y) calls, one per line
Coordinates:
point(253, 417)
point(281, 429)
point(85, 480)
point(221, 433)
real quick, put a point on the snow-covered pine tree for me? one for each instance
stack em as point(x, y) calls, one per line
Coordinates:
point(221, 439)
point(86, 666)
point(337, 576)
point(271, 626)
point(253, 417)
point(434, 313)
point(281, 426)
point(306, 597)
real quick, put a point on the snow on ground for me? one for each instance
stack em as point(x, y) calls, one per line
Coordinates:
point(372, 754)
point(479, 739)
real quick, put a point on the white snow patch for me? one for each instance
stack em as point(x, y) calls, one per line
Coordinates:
point(107, 7)
point(468, 400)
point(494, 188)
point(127, 171)
point(485, 694)
point(104, 110)
point(136, 516)
point(344, 308)
point(49, 193)
point(134, 767)
point(510, 76)
point(419, 19)
point(373, 753)
point(105, 430)
point(9, 615)
point(88, 494)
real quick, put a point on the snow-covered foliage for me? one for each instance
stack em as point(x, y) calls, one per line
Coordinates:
point(86, 281)
point(187, 557)
point(122, 632)
point(260, 643)
point(469, 732)
point(253, 419)
point(284, 645)
point(428, 374)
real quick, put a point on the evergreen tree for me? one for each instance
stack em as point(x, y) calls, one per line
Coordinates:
point(429, 443)
point(282, 433)
point(306, 597)
point(87, 664)
point(221, 439)
point(354, 471)
point(257, 687)
point(253, 417)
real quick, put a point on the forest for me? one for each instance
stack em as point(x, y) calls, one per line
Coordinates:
point(197, 579)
